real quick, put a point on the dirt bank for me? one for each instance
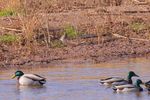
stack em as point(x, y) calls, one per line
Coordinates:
point(90, 53)
point(106, 34)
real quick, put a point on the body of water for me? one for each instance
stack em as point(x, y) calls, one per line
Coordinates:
point(76, 82)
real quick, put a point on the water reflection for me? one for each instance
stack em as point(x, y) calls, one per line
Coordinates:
point(28, 92)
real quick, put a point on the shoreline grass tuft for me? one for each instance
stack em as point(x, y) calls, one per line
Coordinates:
point(136, 26)
point(71, 32)
point(8, 38)
point(6, 13)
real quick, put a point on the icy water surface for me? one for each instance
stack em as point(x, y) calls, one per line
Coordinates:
point(76, 82)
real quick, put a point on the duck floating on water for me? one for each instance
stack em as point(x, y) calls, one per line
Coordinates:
point(119, 81)
point(129, 87)
point(29, 79)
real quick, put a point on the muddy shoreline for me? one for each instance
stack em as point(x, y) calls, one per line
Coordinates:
point(82, 54)
point(122, 32)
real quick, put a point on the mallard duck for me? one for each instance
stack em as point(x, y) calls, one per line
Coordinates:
point(147, 84)
point(29, 79)
point(118, 80)
point(129, 87)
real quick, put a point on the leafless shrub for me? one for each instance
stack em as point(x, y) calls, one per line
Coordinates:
point(33, 17)
point(111, 2)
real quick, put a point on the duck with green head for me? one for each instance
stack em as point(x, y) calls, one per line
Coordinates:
point(29, 79)
point(129, 87)
point(119, 81)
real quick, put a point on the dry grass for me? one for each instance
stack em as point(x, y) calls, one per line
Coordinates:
point(34, 17)
point(42, 22)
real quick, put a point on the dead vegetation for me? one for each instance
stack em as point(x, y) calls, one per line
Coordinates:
point(38, 22)
point(61, 23)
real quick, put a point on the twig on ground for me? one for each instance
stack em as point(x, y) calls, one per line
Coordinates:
point(120, 36)
point(10, 29)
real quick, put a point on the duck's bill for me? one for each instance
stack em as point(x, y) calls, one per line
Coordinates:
point(136, 75)
point(13, 76)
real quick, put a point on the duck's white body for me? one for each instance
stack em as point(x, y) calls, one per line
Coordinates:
point(31, 80)
point(124, 88)
point(113, 81)
point(127, 88)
